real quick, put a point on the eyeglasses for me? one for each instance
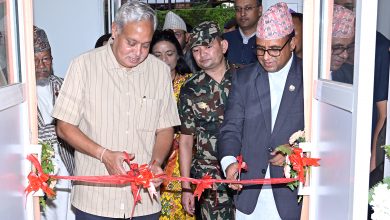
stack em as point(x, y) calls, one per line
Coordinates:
point(273, 52)
point(245, 9)
point(179, 34)
point(337, 50)
point(44, 60)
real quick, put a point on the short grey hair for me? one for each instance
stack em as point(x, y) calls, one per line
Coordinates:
point(135, 11)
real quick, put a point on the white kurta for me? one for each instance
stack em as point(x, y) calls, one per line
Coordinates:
point(60, 207)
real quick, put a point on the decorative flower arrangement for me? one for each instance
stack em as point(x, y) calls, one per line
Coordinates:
point(379, 199)
point(294, 162)
point(379, 195)
point(48, 166)
point(387, 150)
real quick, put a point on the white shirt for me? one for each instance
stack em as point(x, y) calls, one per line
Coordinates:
point(266, 207)
point(45, 102)
point(245, 39)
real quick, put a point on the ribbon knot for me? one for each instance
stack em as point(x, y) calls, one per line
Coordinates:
point(299, 163)
point(38, 180)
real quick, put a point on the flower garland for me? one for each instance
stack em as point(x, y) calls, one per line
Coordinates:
point(379, 195)
point(48, 166)
point(296, 165)
point(379, 199)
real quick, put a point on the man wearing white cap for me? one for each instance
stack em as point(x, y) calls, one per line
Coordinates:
point(264, 109)
point(177, 24)
point(179, 27)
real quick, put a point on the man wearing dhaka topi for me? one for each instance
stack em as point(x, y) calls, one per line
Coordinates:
point(265, 107)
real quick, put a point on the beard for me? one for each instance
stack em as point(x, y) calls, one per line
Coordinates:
point(43, 82)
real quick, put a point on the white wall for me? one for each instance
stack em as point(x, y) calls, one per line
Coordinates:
point(72, 26)
point(383, 24)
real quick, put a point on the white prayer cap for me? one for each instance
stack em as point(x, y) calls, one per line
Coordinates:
point(174, 21)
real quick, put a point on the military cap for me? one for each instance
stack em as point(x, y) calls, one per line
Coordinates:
point(204, 34)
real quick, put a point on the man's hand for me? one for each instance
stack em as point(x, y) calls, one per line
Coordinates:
point(232, 174)
point(188, 201)
point(278, 159)
point(113, 160)
point(156, 170)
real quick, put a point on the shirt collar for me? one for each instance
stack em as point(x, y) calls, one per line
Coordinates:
point(286, 67)
point(112, 63)
point(245, 39)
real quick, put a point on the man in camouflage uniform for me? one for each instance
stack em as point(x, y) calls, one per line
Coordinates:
point(201, 108)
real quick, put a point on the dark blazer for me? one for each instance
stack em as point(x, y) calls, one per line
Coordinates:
point(246, 130)
point(344, 74)
point(239, 53)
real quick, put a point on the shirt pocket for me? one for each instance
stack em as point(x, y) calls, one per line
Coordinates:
point(148, 116)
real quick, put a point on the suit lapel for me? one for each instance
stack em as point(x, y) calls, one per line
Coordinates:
point(262, 86)
point(290, 94)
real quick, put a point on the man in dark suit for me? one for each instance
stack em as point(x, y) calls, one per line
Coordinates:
point(242, 40)
point(264, 109)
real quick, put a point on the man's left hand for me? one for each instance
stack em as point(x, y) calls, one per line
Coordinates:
point(278, 158)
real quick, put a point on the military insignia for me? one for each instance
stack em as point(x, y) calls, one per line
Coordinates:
point(202, 105)
point(291, 88)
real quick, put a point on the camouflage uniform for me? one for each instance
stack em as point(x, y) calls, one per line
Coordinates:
point(201, 108)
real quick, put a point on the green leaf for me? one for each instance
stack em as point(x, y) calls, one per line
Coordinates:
point(387, 150)
point(285, 149)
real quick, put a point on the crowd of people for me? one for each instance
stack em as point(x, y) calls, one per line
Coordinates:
point(186, 102)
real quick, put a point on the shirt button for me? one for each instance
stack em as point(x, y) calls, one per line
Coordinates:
point(126, 132)
point(270, 149)
point(263, 171)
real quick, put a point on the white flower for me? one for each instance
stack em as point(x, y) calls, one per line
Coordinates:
point(380, 202)
point(294, 137)
point(287, 170)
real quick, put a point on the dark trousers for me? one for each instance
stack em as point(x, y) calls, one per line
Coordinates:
point(80, 215)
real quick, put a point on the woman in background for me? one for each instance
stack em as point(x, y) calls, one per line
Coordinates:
point(165, 46)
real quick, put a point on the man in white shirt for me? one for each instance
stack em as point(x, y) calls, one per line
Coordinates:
point(48, 87)
point(264, 109)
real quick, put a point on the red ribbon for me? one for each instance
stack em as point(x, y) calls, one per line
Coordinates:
point(299, 163)
point(38, 180)
point(141, 176)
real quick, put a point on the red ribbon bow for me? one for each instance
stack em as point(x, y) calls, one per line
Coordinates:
point(299, 163)
point(38, 180)
point(203, 184)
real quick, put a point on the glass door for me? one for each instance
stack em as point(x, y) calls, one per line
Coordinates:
point(340, 110)
point(17, 103)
